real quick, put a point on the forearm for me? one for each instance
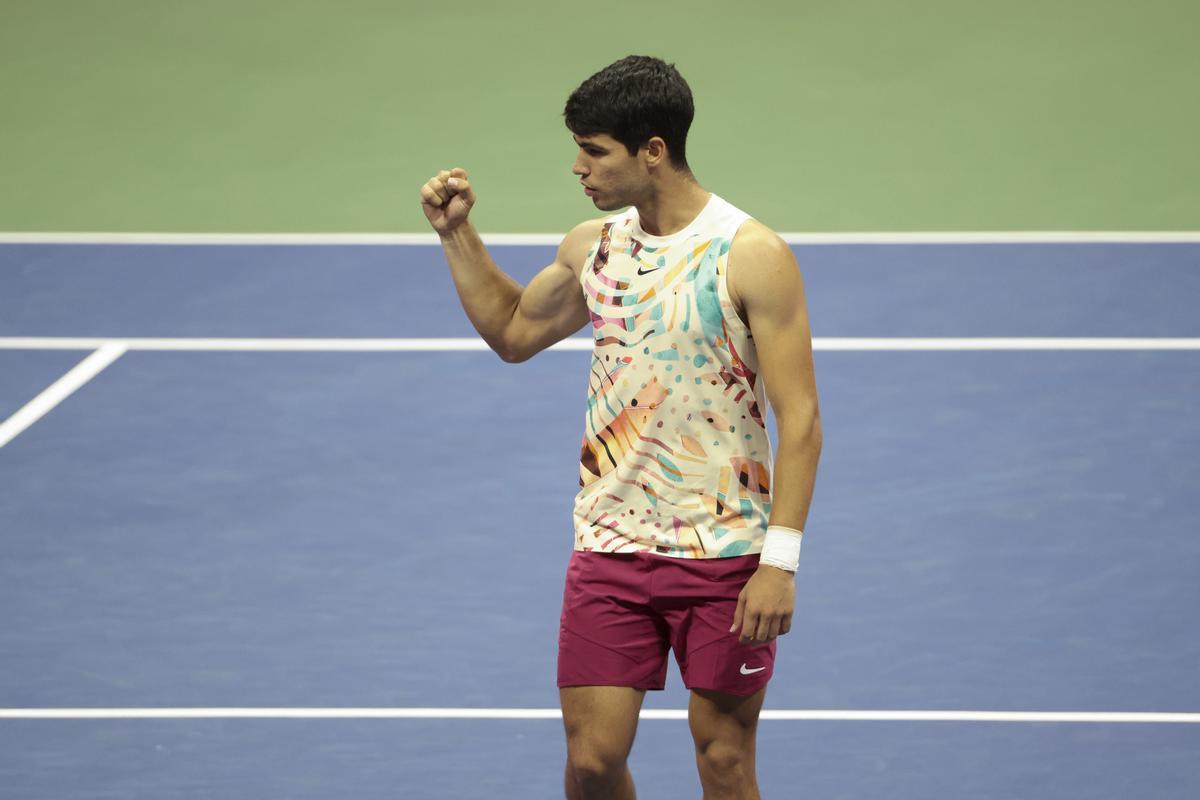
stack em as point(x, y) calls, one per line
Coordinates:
point(795, 475)
point(488, 295)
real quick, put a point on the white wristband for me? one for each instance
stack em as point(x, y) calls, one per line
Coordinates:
point(781, 548)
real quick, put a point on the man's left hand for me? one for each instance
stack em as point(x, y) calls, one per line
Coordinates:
point(765, 605)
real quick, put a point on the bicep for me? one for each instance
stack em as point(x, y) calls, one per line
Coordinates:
point(552, 306)
point(553, 295)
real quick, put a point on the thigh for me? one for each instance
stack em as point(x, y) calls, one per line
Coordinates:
point(600, 721)
point(728, 719)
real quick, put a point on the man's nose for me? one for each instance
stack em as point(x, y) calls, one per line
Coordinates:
point(578, 168)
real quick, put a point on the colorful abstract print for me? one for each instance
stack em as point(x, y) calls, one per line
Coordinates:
point(675, 456)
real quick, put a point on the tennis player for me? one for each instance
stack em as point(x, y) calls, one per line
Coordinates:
point(687, 525)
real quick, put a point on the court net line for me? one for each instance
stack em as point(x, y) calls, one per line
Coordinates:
point(581, 343)
point(843, 715)
point(551, 239)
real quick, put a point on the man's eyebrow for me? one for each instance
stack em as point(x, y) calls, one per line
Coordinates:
point(587, 143)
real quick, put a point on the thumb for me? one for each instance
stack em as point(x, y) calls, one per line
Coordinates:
point(739, 611)
point(462, 187)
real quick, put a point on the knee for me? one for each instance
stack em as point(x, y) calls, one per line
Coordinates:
point(593, 766)
point(725, 764)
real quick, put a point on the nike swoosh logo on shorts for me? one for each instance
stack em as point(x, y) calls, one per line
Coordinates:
point(751, 671)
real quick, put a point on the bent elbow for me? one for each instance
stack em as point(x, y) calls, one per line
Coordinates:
point(511, 356)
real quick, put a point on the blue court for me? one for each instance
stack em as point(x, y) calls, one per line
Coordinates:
point(211, 528)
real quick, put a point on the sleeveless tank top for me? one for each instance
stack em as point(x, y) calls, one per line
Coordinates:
point(676, 459)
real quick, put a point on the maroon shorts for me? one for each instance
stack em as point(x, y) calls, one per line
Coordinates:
point(622, 612)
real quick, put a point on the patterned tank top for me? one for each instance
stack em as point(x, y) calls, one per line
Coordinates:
point(676, 459)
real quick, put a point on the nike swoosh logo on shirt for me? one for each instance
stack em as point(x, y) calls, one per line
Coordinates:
point(751, 671)
point(647, 272)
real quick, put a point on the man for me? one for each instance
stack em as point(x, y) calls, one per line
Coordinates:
point(699, 318)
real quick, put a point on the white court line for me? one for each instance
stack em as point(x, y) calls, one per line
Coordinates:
point(60, 390)
point(866, 237)
point(581, 343)
point(853, 715)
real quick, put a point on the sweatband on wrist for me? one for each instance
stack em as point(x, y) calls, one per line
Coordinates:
point(781, 548)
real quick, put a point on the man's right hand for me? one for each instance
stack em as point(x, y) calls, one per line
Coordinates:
point(446, 200)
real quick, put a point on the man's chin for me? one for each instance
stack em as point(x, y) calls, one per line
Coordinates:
point(608, 204)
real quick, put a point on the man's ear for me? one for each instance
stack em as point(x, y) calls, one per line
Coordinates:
point(656, 151)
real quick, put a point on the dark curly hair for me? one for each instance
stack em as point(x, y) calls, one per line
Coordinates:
point(631, 100)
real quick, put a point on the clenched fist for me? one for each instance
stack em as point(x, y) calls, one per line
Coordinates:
point(446, 200)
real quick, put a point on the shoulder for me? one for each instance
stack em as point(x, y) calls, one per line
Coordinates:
point(575, 245)
point(760, 259)
point(754, 239)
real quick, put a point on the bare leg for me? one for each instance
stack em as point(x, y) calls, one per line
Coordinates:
point(601, 722)
point(724, 727)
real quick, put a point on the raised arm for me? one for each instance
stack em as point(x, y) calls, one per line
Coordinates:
point(515, 321)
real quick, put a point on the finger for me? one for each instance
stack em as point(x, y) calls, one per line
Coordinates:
point(762, 628)
point(429, 189)
point(430, 198)
point(739, 612)
point(462, 188)
point(768, 626)
point(439, 188)
point(786, 625)
point(443, 175)
point(458, 172)
point(749, 626)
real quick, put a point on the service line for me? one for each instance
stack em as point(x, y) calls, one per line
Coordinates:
point(60, 390)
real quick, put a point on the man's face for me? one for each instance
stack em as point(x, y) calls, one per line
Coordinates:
point(611, 177)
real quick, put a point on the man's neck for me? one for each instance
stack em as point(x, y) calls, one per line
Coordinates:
point(676, 201)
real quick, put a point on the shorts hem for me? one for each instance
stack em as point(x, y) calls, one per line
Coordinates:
point(572, 684)
point(725, 690)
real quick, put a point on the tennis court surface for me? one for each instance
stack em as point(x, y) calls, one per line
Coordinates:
point(261, 544)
